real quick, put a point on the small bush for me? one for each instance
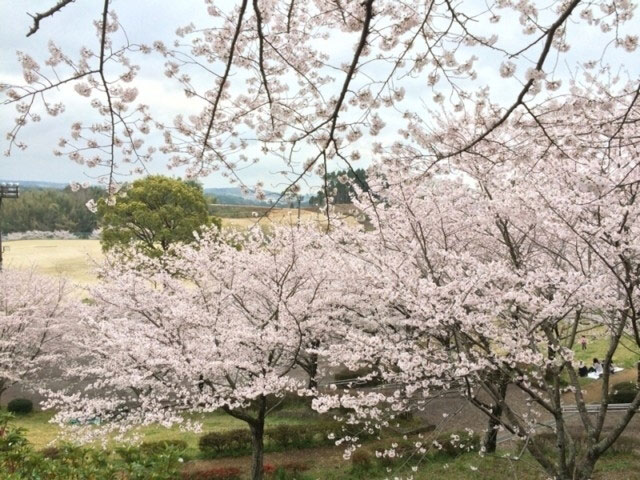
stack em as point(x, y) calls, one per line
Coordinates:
point(51, 453)
point(229, 443)
point(214, 473)
point(154, 448)
point(285, 437)
point(282, 436)
point(362, 460)
point(268, 469)
point(20, 406)
point(623, 392)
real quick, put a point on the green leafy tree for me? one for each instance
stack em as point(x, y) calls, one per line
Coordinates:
point(340, 186)
point(156, 213)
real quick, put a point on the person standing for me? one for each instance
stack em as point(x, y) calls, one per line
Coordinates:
point(583, 342)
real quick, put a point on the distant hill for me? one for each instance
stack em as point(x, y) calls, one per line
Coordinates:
point(226, 195)
point(235, 196)
point(28, 184)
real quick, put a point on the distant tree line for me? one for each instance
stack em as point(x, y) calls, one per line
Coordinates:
point(50, 210)
point(341, 185)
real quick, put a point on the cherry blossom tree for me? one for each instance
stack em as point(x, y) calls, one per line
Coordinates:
point(34, 311)
point(490, 266)
point(504, 211)
point(310, 83)
point(220, 325)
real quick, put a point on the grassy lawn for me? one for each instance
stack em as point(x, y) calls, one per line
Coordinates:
point(626, 356)
point(40, 432)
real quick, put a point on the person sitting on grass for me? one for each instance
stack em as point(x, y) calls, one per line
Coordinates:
point(597, 367)
point(583, 371)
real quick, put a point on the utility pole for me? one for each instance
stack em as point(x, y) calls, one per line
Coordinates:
point(11, 190)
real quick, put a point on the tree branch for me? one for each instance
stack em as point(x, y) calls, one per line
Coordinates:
point(41, 16)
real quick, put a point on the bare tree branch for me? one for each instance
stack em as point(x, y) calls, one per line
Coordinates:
point(41, 16)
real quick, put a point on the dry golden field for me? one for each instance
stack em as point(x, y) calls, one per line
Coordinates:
point(77, 259)
point(74, 259)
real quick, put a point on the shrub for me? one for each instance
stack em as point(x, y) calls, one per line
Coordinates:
point(361, 460)
point(268, 469)
point(623, 392)
point(214, 473)
point(50, 452)
point(20, 406)
point(229, 443)
point(284, 437)
point(153, 448)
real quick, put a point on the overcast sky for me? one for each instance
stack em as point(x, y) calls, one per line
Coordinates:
point(149, 20)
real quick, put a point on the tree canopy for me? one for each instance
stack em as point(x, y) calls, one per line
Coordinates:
point(340, 187)
point(153, 215)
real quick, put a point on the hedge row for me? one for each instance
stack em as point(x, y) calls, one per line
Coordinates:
point(623, 392)
point(282, 437)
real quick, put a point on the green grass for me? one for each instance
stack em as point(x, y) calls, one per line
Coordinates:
point(41, 432)
point(626, 356)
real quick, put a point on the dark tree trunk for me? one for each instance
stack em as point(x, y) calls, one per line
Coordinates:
point(312, 371)
point(3, 388)
point(309, 363)
point(257, 442)
point(491, 437)
point(256, 425)
point(584, 470)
